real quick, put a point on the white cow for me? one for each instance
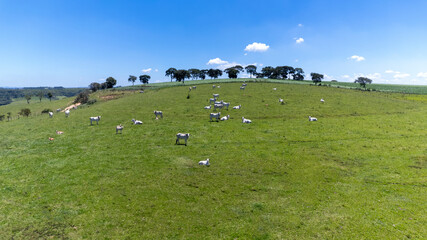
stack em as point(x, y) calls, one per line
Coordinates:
point(226, 104)
point(205, 162)
point(58, 110)
point(184, 136)
point(96, 119)
point(213, 86)
point(225, 118)
point(194, 87)
point(119, 128)
point(208, 107)
point(237, 107)
point(242, 88)
point(322, 101)
point(312, 119)
point(136, 122)
point(274, 89)
point(280, 100)
point(67, 113)
point(244, 120)
point(218, 106)
point(215, 116)
point(211, 100)
point(244, 84)
point(158, 113)
point(50, 114)
point(216, 96)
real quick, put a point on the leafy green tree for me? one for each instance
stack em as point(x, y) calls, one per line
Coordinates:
point(194, 72)
point(232, 72)
point(28, 98)
point(171, 72)
point(132, 79)
point(144, 79)
point(202, 74)
point(251, 70)
point(40, 95)
point(289, 72)
point(214, 73)
point(25, 112)
point(111, 82)
point(239, 68)
point(267, 71)
point(104, 85)
point(95, 86)
point(181, 75)
point(298, 74)
point(316, 78)
point(363, 81)
point(50, 96)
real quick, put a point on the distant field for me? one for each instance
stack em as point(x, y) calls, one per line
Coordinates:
point(360, 172)
point(410, 89)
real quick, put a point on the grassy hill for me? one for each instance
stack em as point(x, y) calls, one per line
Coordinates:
point(359, 172)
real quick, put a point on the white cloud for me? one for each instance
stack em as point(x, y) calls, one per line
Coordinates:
point(422, 74)
point(402, 75)
point(216, 61)
point(391, 71)
point(357, 58)
point(257, 47)
point(296, 60)
point(299, 40)
point(156, 70)
point(345, 76)
point(146, 70)
point(300, 25)
point(245, 54)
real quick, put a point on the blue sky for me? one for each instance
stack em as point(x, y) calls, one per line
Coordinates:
point(74, 43)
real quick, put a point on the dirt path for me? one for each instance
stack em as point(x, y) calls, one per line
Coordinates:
point(71, 106)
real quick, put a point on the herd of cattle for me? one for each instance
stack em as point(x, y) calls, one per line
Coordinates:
point(184, 136)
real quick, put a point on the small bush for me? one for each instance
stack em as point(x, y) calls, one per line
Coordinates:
point(188, 96)
point(92, 101)
point(82, 98)
point(2, 117)
point(25, 112)
point(46, 110)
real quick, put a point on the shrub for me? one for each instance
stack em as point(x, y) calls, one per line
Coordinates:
point(46, 110)
point(25, 112)
point(92, 101)
point(2, 117)
point(82, 98)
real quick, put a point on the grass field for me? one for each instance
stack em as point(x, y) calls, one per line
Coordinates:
point(360, 172)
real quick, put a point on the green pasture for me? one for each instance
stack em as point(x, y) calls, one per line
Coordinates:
point(359, 172)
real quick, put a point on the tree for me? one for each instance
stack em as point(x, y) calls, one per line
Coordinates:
point(298, 74)
point(104, 85)
point(144, 79)
point(181, 75)
point(25, 112)
point(363, 81)
point(289, 71)
point(132, 79)
point(194, 72)
point(232, 72)
point(267, 71)
point(110, 82)
point(202, 74)
point(238, 68)
point(40, 95)
point(50, 96)
point(95, 86)
point(171, 72)
point(9, 116)
point(82, 97)
point(316, 78)
point(214, 73)
point(28, 97)
point(251, 70)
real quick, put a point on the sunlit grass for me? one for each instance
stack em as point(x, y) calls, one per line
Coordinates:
point(359, 172)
